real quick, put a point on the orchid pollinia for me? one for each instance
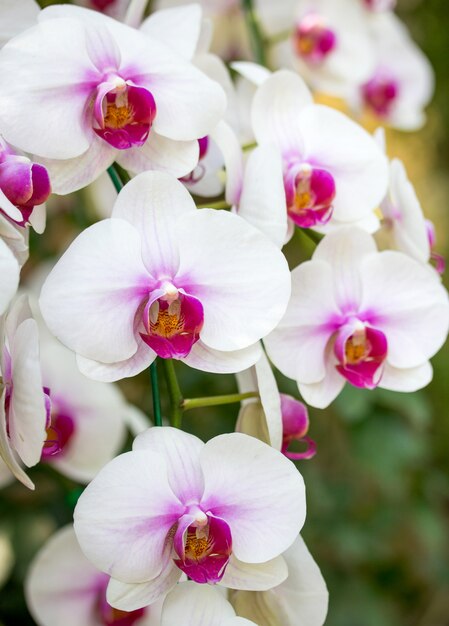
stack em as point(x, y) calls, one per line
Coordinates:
point(177, 530)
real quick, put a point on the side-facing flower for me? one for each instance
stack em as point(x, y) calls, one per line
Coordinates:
point(10, 273)
point(329, 45)
point(24, 187)
point(86, 426)
point(24, 403)
point(334, 172)
point(162, 278)
point(275, 418)
point(63, 587)
point(112, 94)
point(191, 605)
point(402, 81)
point(362, 316)
point(301, 599)
point(223, 511)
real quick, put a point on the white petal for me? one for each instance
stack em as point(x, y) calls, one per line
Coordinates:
point(27, 414)
point(257, 490)
point(297, 346)
point(132, 596)
point(203, 358)
point(228, 143)
point(322, 393)
point(277, 109)
point(62, 586)
point(190, 604)
point(15, 16)
point(111, 372)
point(44, 112)
point(89, 300)
point(350, 154)
point(407, 379)
point(178, 28)
point(9, 271)
point(240, 277)
point(177, 158)
point(414, 318)
point(262, 202)
point(256, 74)
point(69, 175)
point(123, 517)
point(255, 576)
point(152, 202)
point(6, 452)
point(181, 452)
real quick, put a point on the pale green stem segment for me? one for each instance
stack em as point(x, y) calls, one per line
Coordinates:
point(174, 393)
point(199, 403)
point(119, 183)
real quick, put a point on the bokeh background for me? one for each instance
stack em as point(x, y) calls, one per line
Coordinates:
point(378, 488)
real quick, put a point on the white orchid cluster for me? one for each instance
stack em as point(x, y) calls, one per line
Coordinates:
point(177, 531)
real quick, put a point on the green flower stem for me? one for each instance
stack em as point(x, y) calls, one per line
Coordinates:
point(174, 393)
point(199, 403)
point(119, 178)
point(254, 32)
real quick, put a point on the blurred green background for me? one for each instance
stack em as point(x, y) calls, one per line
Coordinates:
point(378, 489)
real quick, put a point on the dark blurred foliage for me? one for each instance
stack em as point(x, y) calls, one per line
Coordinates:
point(378, 489)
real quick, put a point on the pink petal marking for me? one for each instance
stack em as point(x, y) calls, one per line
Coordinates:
point(313, 40)
point(381, 92)
point(310, 192)
point(173, 324)
point(123, 113)
point(361, 352)
point(109, 616)
point(203, 548)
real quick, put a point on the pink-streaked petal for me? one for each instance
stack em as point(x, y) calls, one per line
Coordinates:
point(239, 276)
point(206, 359)
point(62, 586)
point(267, 509)
point(123, 517)
point(344, 250)
point(277, 111)
point(27, 411)
point(414, 318)
point(159, 153)
point(255, 576)
point(9, 271)
point(133, 596)
point(181, 452)
point(178, 28)
point(69, 175)
point(90, 299)
point(338, 145)
point(228, 143)
point(262, 202)
point(298, 344)
point(190, 604)
point(51, 96)
point(152, 202)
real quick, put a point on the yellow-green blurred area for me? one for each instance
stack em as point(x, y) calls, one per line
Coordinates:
point(378, 488)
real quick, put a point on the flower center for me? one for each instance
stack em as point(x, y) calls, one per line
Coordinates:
point(173, 323)
point(361, 351)
point(310, 192)
point(380, 93)
point(203, 548)
point(313, 40)
point(123, 113)
point(60, 429)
